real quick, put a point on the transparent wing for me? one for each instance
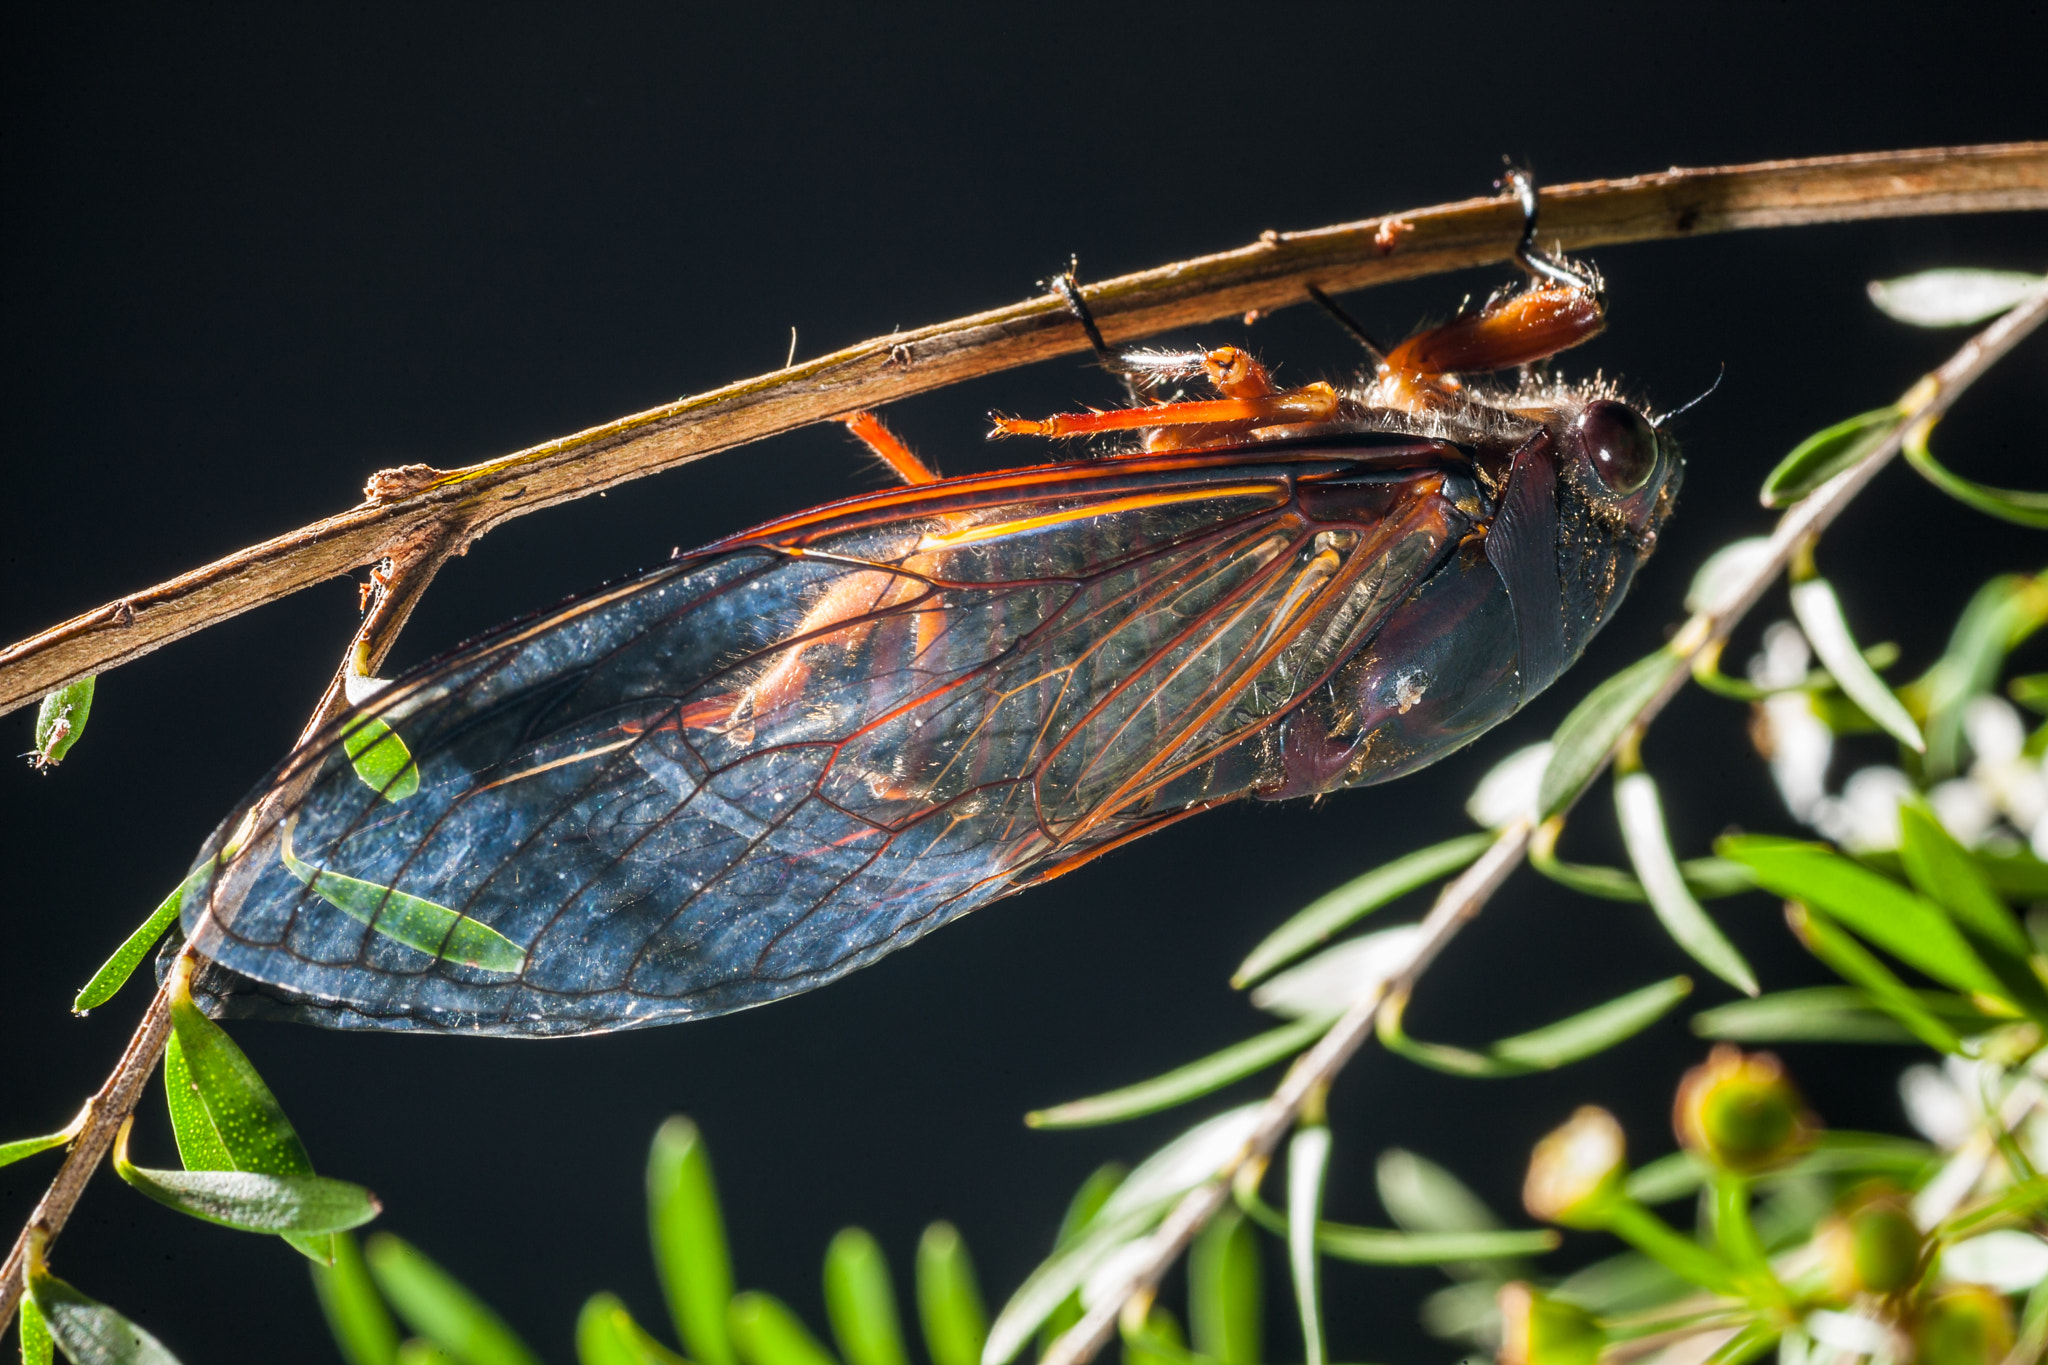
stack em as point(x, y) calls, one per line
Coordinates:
point(760, 767)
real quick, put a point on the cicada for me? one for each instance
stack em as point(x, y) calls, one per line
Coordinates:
point(776, 759)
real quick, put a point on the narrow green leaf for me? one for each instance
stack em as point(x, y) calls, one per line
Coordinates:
point(1670, 1177)
point(765, 1332)
point(1827, 453)
point(1945, 873)
point(381, 759)
point(860, 1303)
point(1226, 1292)
point(2016, 875)
point(60, 721)
point(417, 1351)
point(437, 1306)
point(1909, 927)
point(1385, 1246)
point(432, 928)
point(36, 1346)
point(117, 969)
point(238, 1124)
point(1952, 297)
point(949, 1305)
point(307, 1204)
point(1319, 919)
point(1308, 1166)
point(2001, 614)
point(2019, 506)
point(11, 1152)
point(87, 1331)
point(1546, 1048)
point(1184, 1083)
point(1156, 1341)
point(1819, 612)
point(688, 1232)
point(1422, 1196)
point(1826, 941)
point(2021, 1201)
point(1641, 814)
point(1705, 878)
point(1825, 1014)
point(1082, 1211)
point(607, 1335)
point(355, 1311)
point(1595, 725)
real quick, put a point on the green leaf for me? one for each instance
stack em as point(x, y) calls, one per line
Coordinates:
point(1825, 1014)
point(1826, 941)
point(1827, 453)
point(1705, 878)
point(949, 1306)
point(435, 1305)
point(414, 1351)
point(307, 1204)
point(1819, 612)
point(89, 1332)
point(1596, 724)
point(1184, 1083)
point(607, 1335)
point(1546, 1048)
point(1081, 1213)
point(1308, 1167)
point(1156, 1341)
point(381, 759)
point(1669, 1177)
point(355, 1311)
point(1385, 1246)
point(237, 1124)
point(432, 928)
point(60, 721)
point(117, 969)
point(1951, 297)
point(36, 1346)
point(860, 1302)
point(1422, 1196)
point(765, 1332)
point(11, 1152)
point(1319, 919)
point(2019, 506)
point(688, 1233)
point(1226, 1295)
point(1909, 927)
point(1945, 873)
point(1641, 814)
point(2002, 613)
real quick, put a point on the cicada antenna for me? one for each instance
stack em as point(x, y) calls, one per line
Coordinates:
point(1704, 395)
point(1348, 323)
point(1520, 181)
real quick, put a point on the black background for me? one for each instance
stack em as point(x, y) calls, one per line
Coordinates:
point(253, 256)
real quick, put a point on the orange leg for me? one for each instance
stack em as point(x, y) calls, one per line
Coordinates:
point(889, 449)
point(1536, 323)
point(1311, 403)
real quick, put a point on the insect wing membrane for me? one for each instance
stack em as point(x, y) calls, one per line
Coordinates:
point(755, 769)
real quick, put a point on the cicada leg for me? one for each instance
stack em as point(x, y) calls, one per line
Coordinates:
point(887, 447)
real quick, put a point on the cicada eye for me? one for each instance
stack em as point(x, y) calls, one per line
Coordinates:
point(1618, 443)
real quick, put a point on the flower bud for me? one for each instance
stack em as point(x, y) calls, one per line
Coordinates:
point(1540, 1331)
point(1740, 1113)
point(1576, 1172)
point(1966, 1325)
point(1870, 1245)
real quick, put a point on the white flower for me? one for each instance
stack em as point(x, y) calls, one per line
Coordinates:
point(1785, 659)
point(1329, 982)
point(1865, 818)
point(1937, 1106)
point(2008, 1261)
point(1850, 1332)
point(1509, 791)
point(1801, 747)
point(1965, 809)
point(1994, 730)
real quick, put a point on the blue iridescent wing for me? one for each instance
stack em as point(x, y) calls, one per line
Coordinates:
point(764, 765)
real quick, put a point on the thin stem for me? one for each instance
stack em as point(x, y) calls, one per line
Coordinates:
point(413, 566)
point(1274, 272)
point(1462, 899)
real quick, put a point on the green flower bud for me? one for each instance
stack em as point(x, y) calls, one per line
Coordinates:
point(1741, 1114)
point(1576, 1173)
point(1870, 1245)
point(1540, 1331)
point(1966, 1325)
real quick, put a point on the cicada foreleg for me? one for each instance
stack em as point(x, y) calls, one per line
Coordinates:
point(886, 446)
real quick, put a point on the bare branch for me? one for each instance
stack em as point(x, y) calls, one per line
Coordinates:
point(1268, 274)
point(1462, 899)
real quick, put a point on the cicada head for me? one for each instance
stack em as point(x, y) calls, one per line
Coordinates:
point(1617, 480)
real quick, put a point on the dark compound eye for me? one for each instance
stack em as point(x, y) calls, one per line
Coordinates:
point(1619, 444)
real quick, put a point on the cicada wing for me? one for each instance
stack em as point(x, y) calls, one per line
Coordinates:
point(749, 772)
